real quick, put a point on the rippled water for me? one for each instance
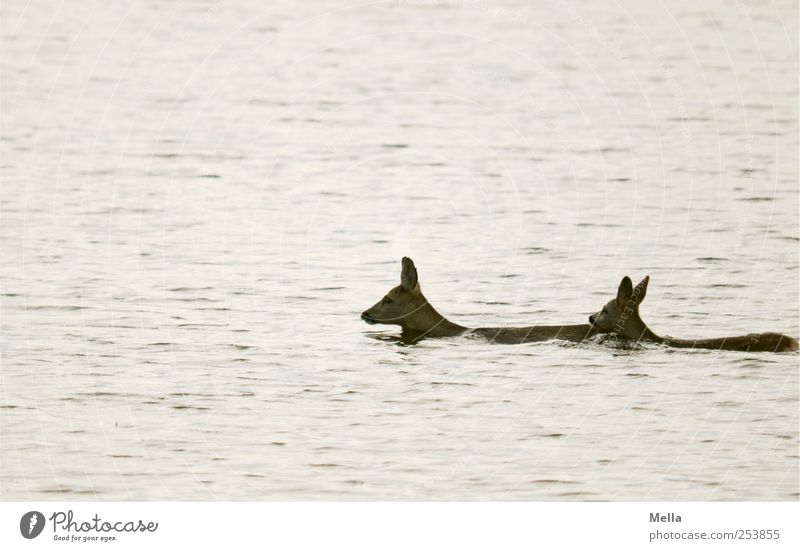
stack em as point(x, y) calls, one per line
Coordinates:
point(198, 200)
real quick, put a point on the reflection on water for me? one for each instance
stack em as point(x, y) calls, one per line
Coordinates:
point(199, 200)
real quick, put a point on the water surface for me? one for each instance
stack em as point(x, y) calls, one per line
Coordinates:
point(198, 200)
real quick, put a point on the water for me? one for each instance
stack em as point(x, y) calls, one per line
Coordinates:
point(200, 198)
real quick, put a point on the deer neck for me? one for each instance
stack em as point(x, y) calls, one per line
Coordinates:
point(427, 322)
point(642, 332)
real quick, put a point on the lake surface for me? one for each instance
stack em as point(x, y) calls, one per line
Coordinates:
point(199, 199)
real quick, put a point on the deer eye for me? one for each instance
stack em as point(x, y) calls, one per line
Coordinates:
point(387, 300)
point(605, 310)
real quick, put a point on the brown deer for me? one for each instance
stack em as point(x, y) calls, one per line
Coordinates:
point(406, 306)
point(621, 316)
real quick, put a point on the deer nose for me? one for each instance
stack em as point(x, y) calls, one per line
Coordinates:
point(367, 318)
point(591, 319)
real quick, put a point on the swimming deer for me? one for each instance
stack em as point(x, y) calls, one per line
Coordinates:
point(621, 316)
point(406, 306)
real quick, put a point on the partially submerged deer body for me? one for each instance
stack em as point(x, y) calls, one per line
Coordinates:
point(621, 316)
point(406, 306)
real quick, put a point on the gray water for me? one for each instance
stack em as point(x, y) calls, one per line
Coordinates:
point(199, 198)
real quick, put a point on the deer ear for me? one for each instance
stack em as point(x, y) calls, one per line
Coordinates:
point(641, 290)
point(408, 275)
point(625, 291)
